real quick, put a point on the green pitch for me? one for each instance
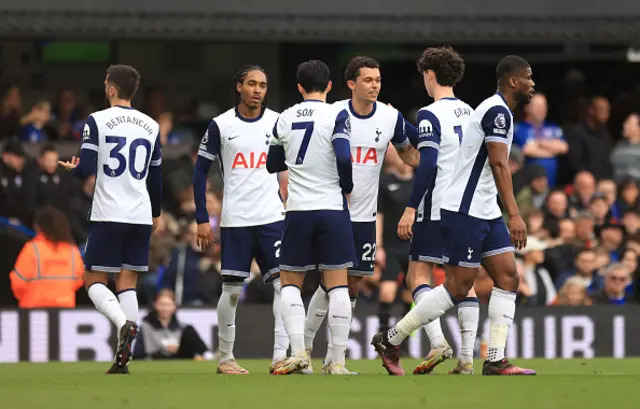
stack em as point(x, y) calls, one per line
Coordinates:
point(561, 384)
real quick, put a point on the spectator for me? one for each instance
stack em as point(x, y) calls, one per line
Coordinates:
point(534, 194)
point(162, 336)
point(66, 113)
point(616, 279)
point(541, 142)
point(567, 231)
point(79, 207)
point(573, 293)
point(540, 289)
point(535, 221)
point(584, 186)
point(557, 206)
point(631, 222)
point(13, 193)
point(49, 269)
point(48, 184)
point(626, 154)
point(585, 223)
point(630, 260)
point(611, 238)
point(608, 188)
point(10, 112)
point(184, 276)
point(590, 143)
point(599, 207)
point(629, 195)
point(33, 123)
point(584, 268)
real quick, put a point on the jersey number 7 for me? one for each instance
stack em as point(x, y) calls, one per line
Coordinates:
point(308, 131)
point(120, 141)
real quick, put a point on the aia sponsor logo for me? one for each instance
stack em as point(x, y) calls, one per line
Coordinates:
point(251, 160)
point(364, 156)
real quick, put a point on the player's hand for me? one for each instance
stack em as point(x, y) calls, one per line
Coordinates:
point(70, 165)
point(172, 348)
point(348, 196)
point(205, 236)
point(518, 231)
point(406, 223)
point(381, 257)
point(155, 224)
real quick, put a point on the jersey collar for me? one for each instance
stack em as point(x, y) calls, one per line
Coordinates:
point(256, 119)
point(122, 106)
point(369, 115)
point(503, 99)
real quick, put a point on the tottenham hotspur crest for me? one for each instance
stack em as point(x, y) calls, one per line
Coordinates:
point(205, 138)
point(378, 133)
point(500, 121)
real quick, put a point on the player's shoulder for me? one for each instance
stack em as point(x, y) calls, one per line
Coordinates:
point(384, 109)
point(342, 104)
point(494, 104)
point(102, 114)
point(225, 117)
point(270, 114)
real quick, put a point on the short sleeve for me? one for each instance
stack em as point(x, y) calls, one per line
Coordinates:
point(429, 132)
point(156, 155)
point(210, 144)
point(342, 127)
point(400, 132)
point(496, 124)
point(275, 135)
point(90, 135)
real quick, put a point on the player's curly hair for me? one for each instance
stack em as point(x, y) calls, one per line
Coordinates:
point(126, 80)
point(352, 72)
point(445, 62)
point(239, 77)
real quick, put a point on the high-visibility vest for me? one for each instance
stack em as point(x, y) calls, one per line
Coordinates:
point(47, 275)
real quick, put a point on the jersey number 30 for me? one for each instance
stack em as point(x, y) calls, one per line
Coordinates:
point(120, 142)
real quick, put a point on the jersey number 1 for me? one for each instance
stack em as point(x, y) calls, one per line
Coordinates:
point(120, 141)
point(458, 130)
point(308, 130)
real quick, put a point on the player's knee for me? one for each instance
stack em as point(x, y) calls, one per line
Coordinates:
point(354, 286)
point(508, 281)
point(459, 287)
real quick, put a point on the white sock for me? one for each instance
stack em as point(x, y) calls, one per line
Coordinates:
point(468, 317)
point(339, 322)
point(433, 329)
point(281, 339)
point(329, 355)
point(107, 303)
point(433, 305)
point(129, 304)
point(293, 316)
point(227, 319)
point(502, 308)
point(318, 307)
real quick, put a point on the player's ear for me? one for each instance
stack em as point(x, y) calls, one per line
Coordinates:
point(329, 86)
point(301, 90)
point(351, 84)
point(238, 87)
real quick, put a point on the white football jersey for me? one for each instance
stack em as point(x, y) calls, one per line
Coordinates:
point(127, 142)
point(370, 137)
point(251, 194)
point(306, 131)
point(441, 126)
point(473, 189)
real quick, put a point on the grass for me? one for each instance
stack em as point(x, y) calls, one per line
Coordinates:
point(561, 384)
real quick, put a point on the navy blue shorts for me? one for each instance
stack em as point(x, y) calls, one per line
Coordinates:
point(467, 239)
point(364, 237)
point(112, 247)
point(427, 242)
point(240, 245)
point(321, 239)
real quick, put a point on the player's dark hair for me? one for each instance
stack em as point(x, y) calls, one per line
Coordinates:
point(352, 72)
point(53, 224)
point(313, 76)
point(126, 80)
point(48, 147)
point(240, 76)
point(509, 66)
point(445, 62)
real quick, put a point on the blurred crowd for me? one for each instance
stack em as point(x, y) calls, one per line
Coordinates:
point(575, 184)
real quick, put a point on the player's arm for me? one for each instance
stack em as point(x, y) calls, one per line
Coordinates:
point(429, 135)
point(402, 142)
point(154, 179)
point(276, 157)
point(342, 148)
point(207, 152)
point(283, 182)
point(496, 132)
point(88, 161)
